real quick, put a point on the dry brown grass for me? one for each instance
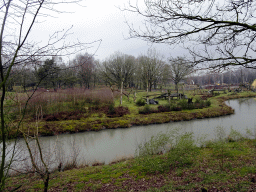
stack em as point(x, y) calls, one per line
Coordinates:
point(62, 100)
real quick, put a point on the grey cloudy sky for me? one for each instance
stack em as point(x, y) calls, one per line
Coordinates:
point(101, 19)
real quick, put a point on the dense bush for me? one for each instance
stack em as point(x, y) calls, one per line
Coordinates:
point(146, 110)
point(180, 105)
point(71, 115)
point(176, 109)
point(183, 103)
point(140, 102)
point(200, 103)
point(164, 108)
point(208, 103)
point(111, 109)
point(117, 111)
point(198, 99)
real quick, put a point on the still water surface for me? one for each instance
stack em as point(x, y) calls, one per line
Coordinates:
point(112, 144)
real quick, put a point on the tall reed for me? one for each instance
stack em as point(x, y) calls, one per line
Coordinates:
point(62, 100)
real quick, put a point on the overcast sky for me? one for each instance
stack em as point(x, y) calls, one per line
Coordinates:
point(101, 19)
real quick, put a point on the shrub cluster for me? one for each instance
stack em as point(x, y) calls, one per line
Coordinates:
point(140, 102)
point(199, 103)
point(147, 110)
point(73, 115)
point(110, 110)
point(164, 108)
point(117, 111)
point(181, 153)
point(181, 105)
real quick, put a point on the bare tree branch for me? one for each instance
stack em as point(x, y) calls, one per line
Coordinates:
point(226, 27)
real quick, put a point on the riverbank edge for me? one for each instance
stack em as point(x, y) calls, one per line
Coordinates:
point(51, 128)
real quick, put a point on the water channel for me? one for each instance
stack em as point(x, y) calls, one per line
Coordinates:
point(113, 144)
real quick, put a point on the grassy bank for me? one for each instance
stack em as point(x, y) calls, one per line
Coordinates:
point(223, 165)
point(96, 120)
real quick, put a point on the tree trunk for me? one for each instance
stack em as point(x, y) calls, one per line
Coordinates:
point(121, 99)
point(177, 89)
point(46, 182)
point(3, 137)
point(169, 96)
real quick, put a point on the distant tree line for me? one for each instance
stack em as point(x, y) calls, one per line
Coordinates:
point(54, 73)
point(147, 72)
point(239, 76)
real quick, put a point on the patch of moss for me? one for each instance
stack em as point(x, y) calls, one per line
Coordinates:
point(96, 127)
point(119, 124)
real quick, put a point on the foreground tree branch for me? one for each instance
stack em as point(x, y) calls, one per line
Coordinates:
point(226, 28)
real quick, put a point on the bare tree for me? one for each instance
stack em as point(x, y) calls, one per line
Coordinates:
point(17, 20)
point(117, 69)
point(219, 33)
point(150, 68)
point(86, 66)
point(179, 69)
